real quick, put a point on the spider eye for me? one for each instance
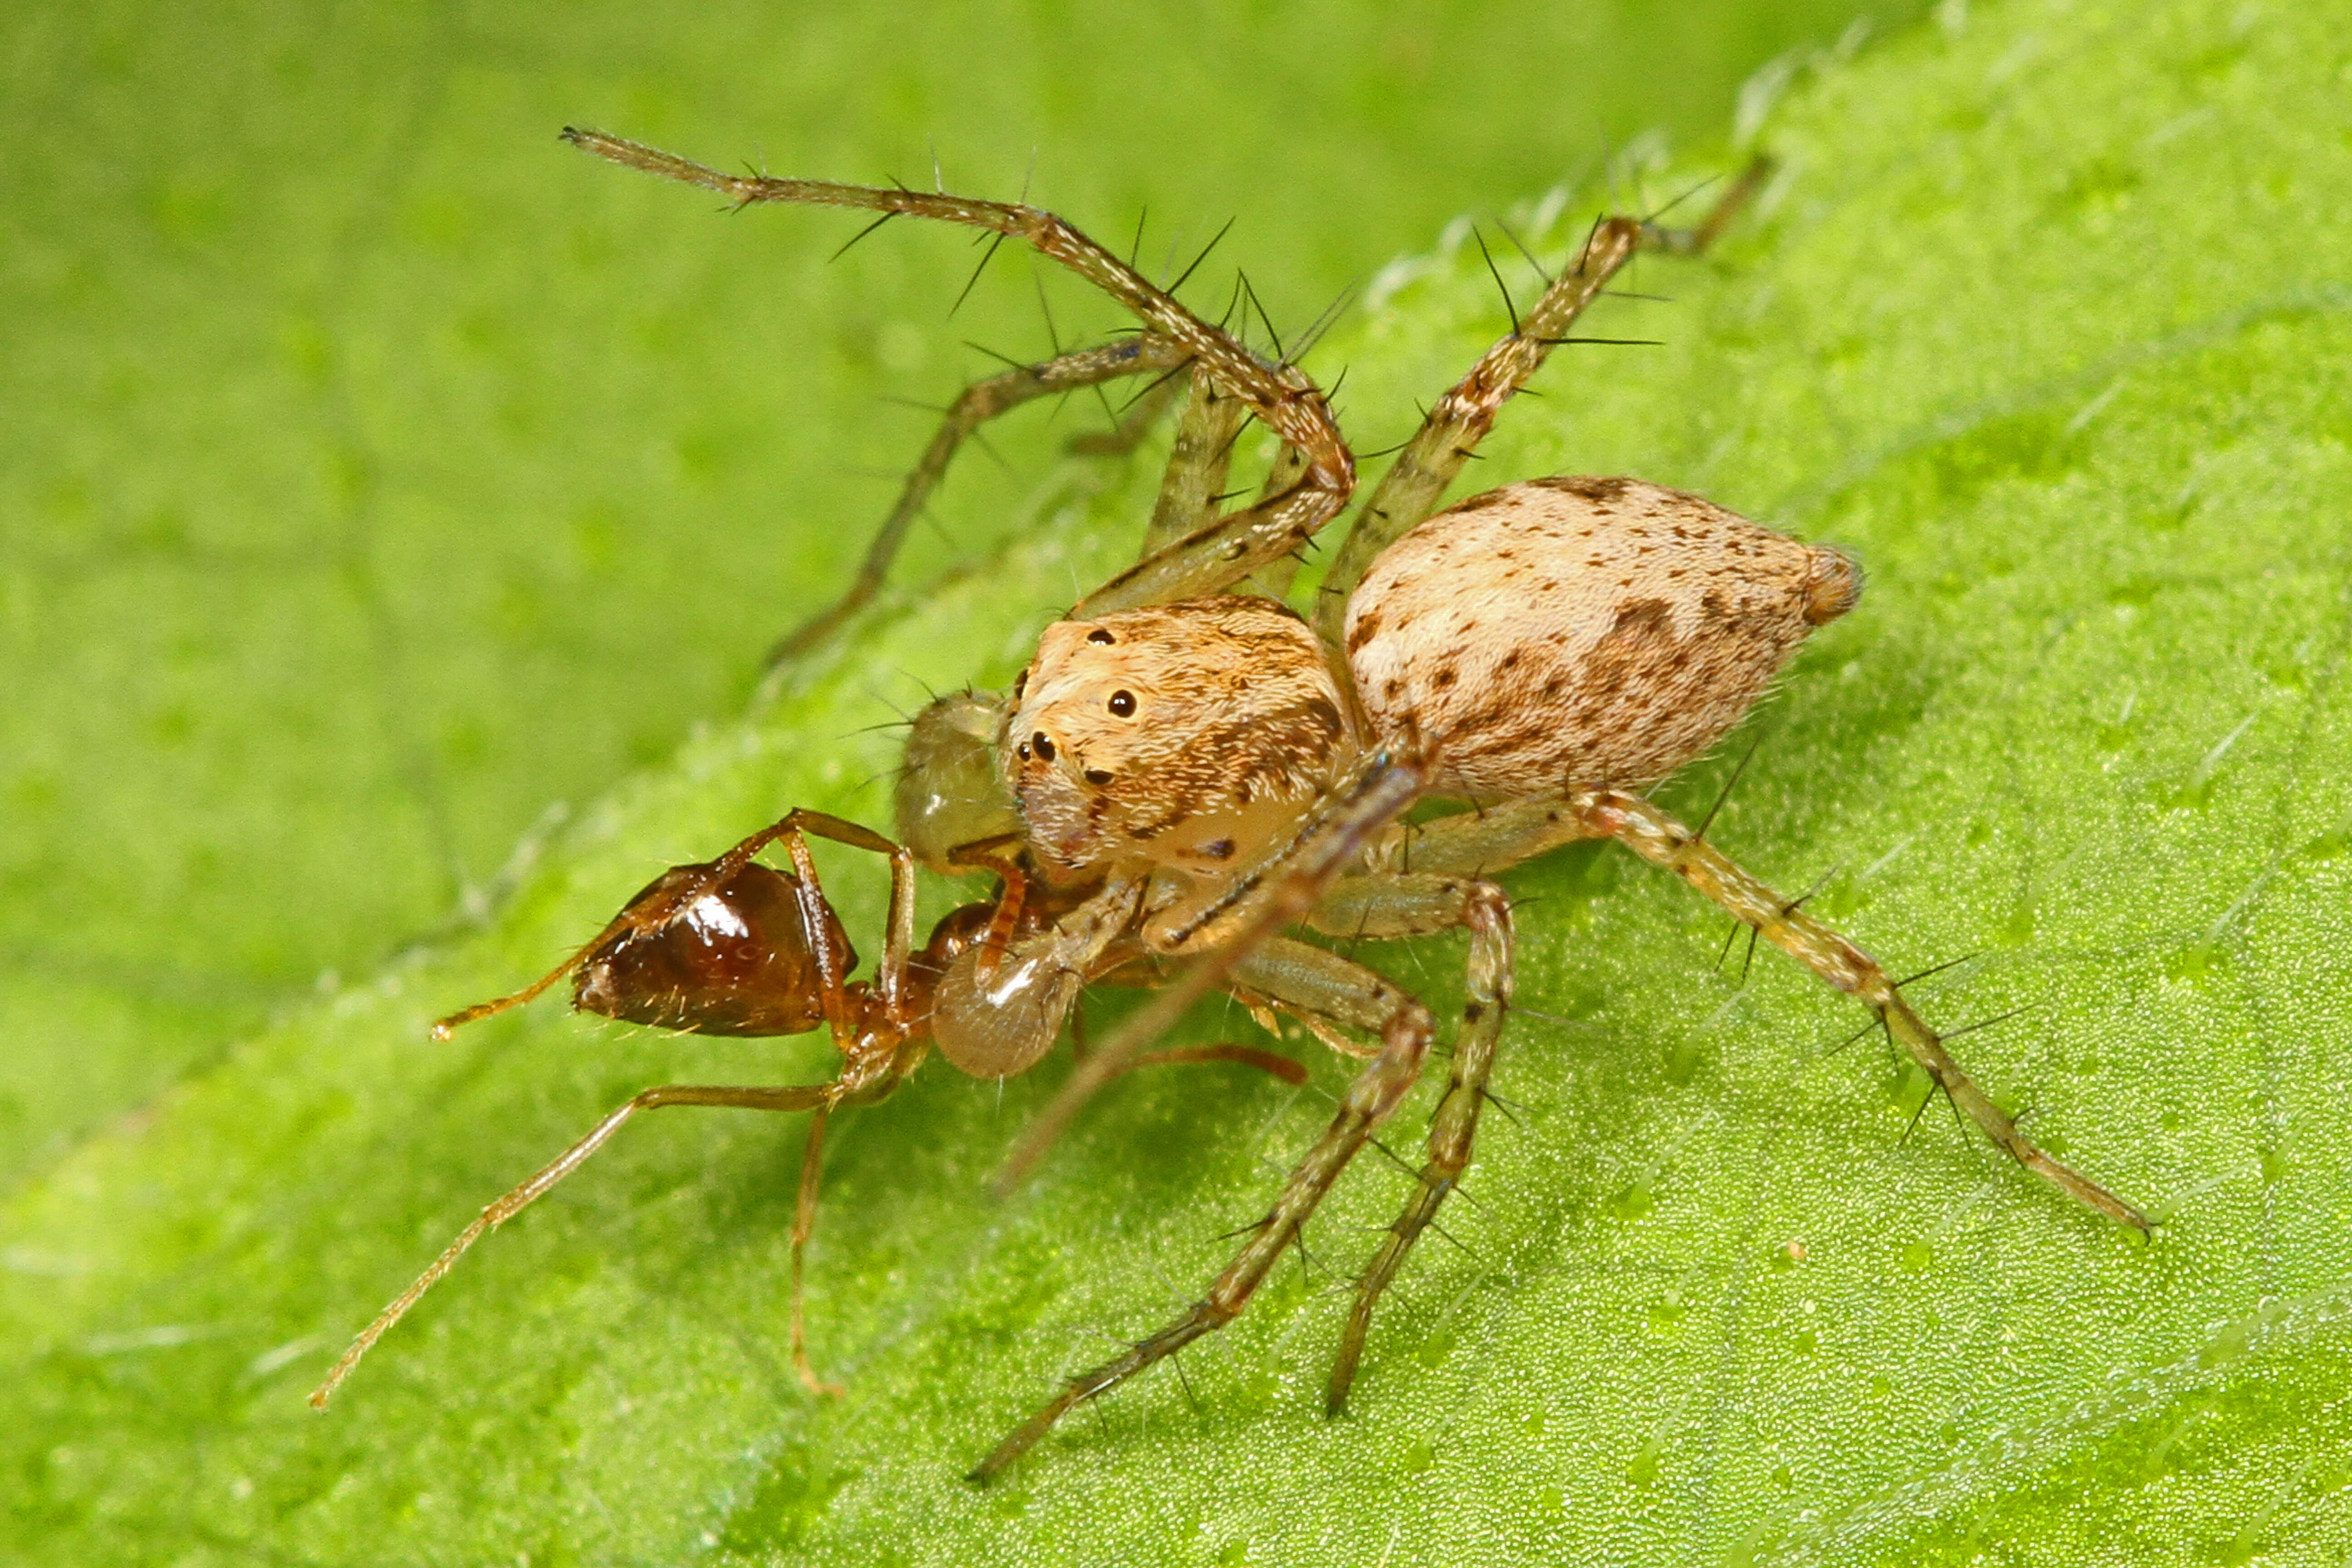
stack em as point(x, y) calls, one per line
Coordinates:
point(1098, 777)
point(1022, 751)
point(1020, 685)
point(1123, 704)
point(1100, 635)
point(1043, 745)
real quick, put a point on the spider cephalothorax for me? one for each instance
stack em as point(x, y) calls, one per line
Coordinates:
point(1189, 736)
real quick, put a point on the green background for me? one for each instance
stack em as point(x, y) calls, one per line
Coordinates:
point(380, 472)
point(381, 463)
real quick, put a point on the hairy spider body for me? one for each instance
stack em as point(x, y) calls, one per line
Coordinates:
point(1548, 636)
point(1581, 631)
point(1186, 735)
point(1194, 771)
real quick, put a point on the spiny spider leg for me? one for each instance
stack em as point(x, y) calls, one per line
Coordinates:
point(1195, 478)
point(1284, 399)
point(1197, 464)
point(1453, 1127)
point(1385, 904)
point(1461, 419)
point(1261, 902)
point(1132, 420)
point(1661, 840)
point(1321, 985)
point(1142, 354)
point(1331, 987)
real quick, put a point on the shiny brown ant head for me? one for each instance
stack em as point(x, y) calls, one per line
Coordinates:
point(736, 959)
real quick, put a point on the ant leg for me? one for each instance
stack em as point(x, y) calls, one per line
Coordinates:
point(809, 1097)
point(1661, 840)
point(974, 406)
point(805, 1227)
point(1284, 397)
point(1405, 1045)
point(1461, 419)
point(890, 980)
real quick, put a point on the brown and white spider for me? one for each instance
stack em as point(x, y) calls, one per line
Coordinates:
point(1194, 768)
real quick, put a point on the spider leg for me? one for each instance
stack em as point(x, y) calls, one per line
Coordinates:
point(1458, 421)
point(1405, 1041)
point(1453, 1127)
point(1277, 891)
point(1468, 844)
point(1130, 421)
point(981, 401)
point(1385, 904)
point(1661, 840)
point(1197, 464)
point(1212, 421)
point(1274, 578)
point(1282, 397)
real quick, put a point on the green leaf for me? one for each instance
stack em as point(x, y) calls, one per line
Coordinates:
point(385, 475)
point(2047, 320)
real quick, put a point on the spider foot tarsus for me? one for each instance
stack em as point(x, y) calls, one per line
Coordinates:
point(1368, 1102)
point(1660, 839)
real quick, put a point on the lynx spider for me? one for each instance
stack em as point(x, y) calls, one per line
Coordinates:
point(1196, 769)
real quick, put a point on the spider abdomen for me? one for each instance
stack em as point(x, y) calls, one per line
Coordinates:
point(1572, 632)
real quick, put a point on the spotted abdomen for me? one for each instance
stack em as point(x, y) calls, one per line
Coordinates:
point(1570, 632)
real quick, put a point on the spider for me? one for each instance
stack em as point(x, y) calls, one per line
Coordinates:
point(1195, 768)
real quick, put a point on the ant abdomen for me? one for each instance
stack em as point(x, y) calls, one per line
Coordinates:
point(736, 960)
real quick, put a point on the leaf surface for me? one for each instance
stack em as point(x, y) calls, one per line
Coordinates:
point(2047, 320)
